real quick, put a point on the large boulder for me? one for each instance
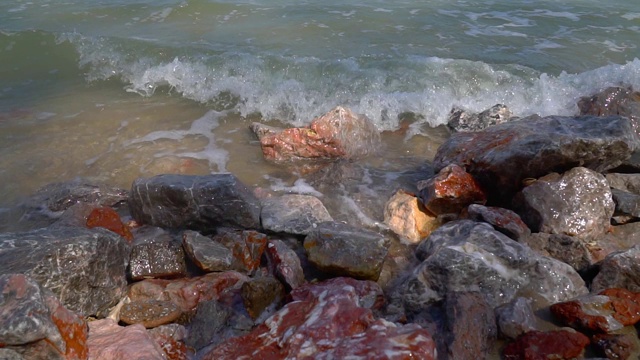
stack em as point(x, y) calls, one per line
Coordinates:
point(468, 256)
point(502, 156)
point(194, 202)
point(84, 268)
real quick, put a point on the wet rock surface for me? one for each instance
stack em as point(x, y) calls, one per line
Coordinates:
point(286, 263)
point(406, 216)
point(503, 220)
point(247, 247)
point(207, 254)
point(150, 313)
point(156, 254)
point(464, 121)
point(613, 101)
point(293, 214)
point(567, 249)
point(451, 190)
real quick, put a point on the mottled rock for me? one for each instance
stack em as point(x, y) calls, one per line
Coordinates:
point(503, 220)
point(406, 216)
point(328, 326)
point(565, 248)
point(207, 254)
point(8, 354)
point(626, 204)
point(106, 217)
point(577, 203)
point(194, 202)
point(502, 156)
point(619, 270)
point(108, 341)
point(260, 293)
point(150, 313)
point(156, 254)
point(338, 134)
point(368, 294)
point(468, 256)
point(515, 317)
point(214, 323)
point(614, 346)
point(33, 321)
point(344, 250)
point(287, 266)
point(170, 338)
point(188, 293)
point(591, 313)
point(613, 101)
point(293, 213)
point(464, 121)
point(85, 268)
point(535, 345)
point(246, 246)
point(471, 326)
point(450, 191)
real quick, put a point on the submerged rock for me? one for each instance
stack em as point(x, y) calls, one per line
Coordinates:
point(293, 213)
point(463, 121)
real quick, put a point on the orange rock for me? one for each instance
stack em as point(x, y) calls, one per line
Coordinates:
point(407, 217)
point(106, 217)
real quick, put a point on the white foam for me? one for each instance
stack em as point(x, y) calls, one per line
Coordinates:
point(299, 187)
point(631, 16)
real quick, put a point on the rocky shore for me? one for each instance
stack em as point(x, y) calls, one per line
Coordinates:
point(522, 243)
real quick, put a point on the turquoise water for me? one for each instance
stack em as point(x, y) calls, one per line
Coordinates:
point(112, 90)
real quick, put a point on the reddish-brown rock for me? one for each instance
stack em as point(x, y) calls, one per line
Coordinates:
point(73, 329)
point(287, 266)
point(503, 220)
point(538, 345)
point(187, 293)
point(170, 339)
point(247, 247)
point(106, 217)
point(625, 304)
point(330, 325)
point(450, 191)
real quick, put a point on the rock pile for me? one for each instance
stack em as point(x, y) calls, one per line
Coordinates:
point(524, 244)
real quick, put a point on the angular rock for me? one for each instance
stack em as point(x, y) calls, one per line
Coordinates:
point(33, 321)
point(247, 247)
point(108, 341)
point(170, 338)
point(286, 262)
point(214, 323)
point(328, 326)
point(150, 313)
point(503, 220)
point(619, 270)
point(106, 217)
point(84, 268)
point(260, 293)
point(156, 254)
point(343, 250)
point(565, 248)
point(471, 326)
point(188, 293)
point(406, 216)
point(451, 190)
point(338, 134)
point(626, 203)
point(534, 345)
point(613, 101)
point(207, 254)
point(463, 121)
point(614, 346)
point(590, 313)
point(293, 213)
point(577, 203)
point(515, 318)
point(502, 156)
point(624, 182)
point(468, 256)
point(194, 202)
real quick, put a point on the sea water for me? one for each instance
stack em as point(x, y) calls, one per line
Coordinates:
point(110, 90)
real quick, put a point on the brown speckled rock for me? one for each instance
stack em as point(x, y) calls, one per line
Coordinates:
point(149, 313)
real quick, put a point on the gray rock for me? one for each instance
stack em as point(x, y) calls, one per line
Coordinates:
point(503, 220)
point(194, 202)
point(215, 322)
point(293, 214)
point(577, 203)
point(626, 203)
point(567, 249)
point(463, 121)
point(515, 318)
point(613, 101)
point(468, 256)
point(207, 254)
point(502, 156)
point(471, 326)
point(624, 182)
point(343, 250)
point(85, 268)
point(286, 263)
point(156, 254)
point(619, 270)
point(8, 354)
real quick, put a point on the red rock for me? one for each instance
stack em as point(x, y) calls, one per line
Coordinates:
point(368, 293)
point(108, 341)
point(188, 293)
point(170, 339)
point(538, 345)
point(287, 264)
point(247, 247)
point(73, 329)
point(451, 190)
point(106, 217)
point(328, 324)
point(625, 304)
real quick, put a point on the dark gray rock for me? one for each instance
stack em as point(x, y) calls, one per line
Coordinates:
point(85, 268)
point(463, 121)
point(286, 263)
point(215, 322)
point(619, 270)
point(194, 202)
point(471, 326)
point(344, 250)
point(503, 220)
point(469, 256)
point(260, 293)
point(577, 203)
point(626, 204)
point(156, 254)
point(613, 101)
point(207, 254)
point(502, 156)
point(515, 318)
point(567, 249)
point(293, 214)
